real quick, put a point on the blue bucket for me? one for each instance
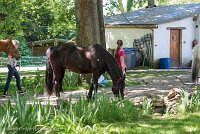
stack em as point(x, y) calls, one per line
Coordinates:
point(164, 63)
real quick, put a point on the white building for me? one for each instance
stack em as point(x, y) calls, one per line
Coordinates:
point(173, 28)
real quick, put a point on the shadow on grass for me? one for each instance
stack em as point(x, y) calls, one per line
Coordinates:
point(168, 125)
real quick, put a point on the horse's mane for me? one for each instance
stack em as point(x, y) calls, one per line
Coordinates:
point(112, 66)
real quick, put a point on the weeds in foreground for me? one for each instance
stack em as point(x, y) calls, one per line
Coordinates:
point(23, 116)
point(189, 102)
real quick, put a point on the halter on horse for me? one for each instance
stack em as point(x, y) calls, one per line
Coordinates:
point(8, 47)
point(92, 59)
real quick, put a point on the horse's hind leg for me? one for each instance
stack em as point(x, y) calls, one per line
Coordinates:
point(58, 81)
point(62, 74)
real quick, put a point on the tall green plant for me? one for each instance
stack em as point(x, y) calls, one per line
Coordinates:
point(184, 106)
point(8, 121)
point(190, 102)
point(147, 106)
point(195, 101)
point(70, 79)
point(97, 110)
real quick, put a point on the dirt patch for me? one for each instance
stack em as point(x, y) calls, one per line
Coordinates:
point(154, 82)
point(160, 83)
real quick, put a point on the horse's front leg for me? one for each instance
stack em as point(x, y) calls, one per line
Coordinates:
point(90, 92)
point(94, 87)
point(94, 84)
point(95, 81)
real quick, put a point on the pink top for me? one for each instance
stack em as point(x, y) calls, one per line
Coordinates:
point(119, 54)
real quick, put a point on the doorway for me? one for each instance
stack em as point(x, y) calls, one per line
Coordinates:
point(175, 48)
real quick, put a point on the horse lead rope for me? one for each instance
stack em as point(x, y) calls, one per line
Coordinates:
point(118, 81)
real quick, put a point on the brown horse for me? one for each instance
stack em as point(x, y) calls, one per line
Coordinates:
point(8, 47)
point(92, 59)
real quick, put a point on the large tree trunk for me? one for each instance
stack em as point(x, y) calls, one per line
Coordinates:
point(90, 24)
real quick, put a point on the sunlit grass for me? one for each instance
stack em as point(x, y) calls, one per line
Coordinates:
point(177, 125)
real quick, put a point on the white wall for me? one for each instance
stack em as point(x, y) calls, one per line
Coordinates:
point(162, 39)
point(126, 34)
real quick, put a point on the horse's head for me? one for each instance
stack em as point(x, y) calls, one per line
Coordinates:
point(119, 87)
point(11, 49)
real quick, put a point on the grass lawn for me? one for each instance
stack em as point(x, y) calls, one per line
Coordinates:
point(179, 124)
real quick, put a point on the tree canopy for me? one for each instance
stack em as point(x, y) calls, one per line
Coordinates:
point(37, 19)
point(33, 20)
point(113, 7)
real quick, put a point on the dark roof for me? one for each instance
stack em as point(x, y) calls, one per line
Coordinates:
point(154, 16)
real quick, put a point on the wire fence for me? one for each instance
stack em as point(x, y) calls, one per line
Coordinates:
point(26, 61)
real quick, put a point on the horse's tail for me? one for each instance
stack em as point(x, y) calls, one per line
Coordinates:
point(49, 74)
point(195, 63)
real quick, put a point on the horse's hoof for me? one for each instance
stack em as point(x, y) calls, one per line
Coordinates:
point(89, 98)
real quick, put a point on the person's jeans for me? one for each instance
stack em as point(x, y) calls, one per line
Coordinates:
point(12, 71)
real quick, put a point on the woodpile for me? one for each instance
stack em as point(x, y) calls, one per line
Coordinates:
point(163, 104)
point(172, 100)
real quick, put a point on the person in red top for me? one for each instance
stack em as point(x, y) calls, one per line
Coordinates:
point(119, 56)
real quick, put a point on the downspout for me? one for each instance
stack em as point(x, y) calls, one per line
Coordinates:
point(152, 58)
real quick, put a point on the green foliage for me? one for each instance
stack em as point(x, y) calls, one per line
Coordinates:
point(65, 118)
point(70, 79)
point(112, 7)
point(49, 19)
point(97, 110)
point(34, 84)
point(129, 5)
point(33, 116)
point(11, 18)
point(104, 114)
point(189, 102)
point(23, 48)
point(34, 20)
point(195, 102)
point(180, 124)
point(37, 20)
point(185, 102)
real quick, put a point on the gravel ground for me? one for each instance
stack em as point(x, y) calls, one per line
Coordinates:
point(159, 85)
